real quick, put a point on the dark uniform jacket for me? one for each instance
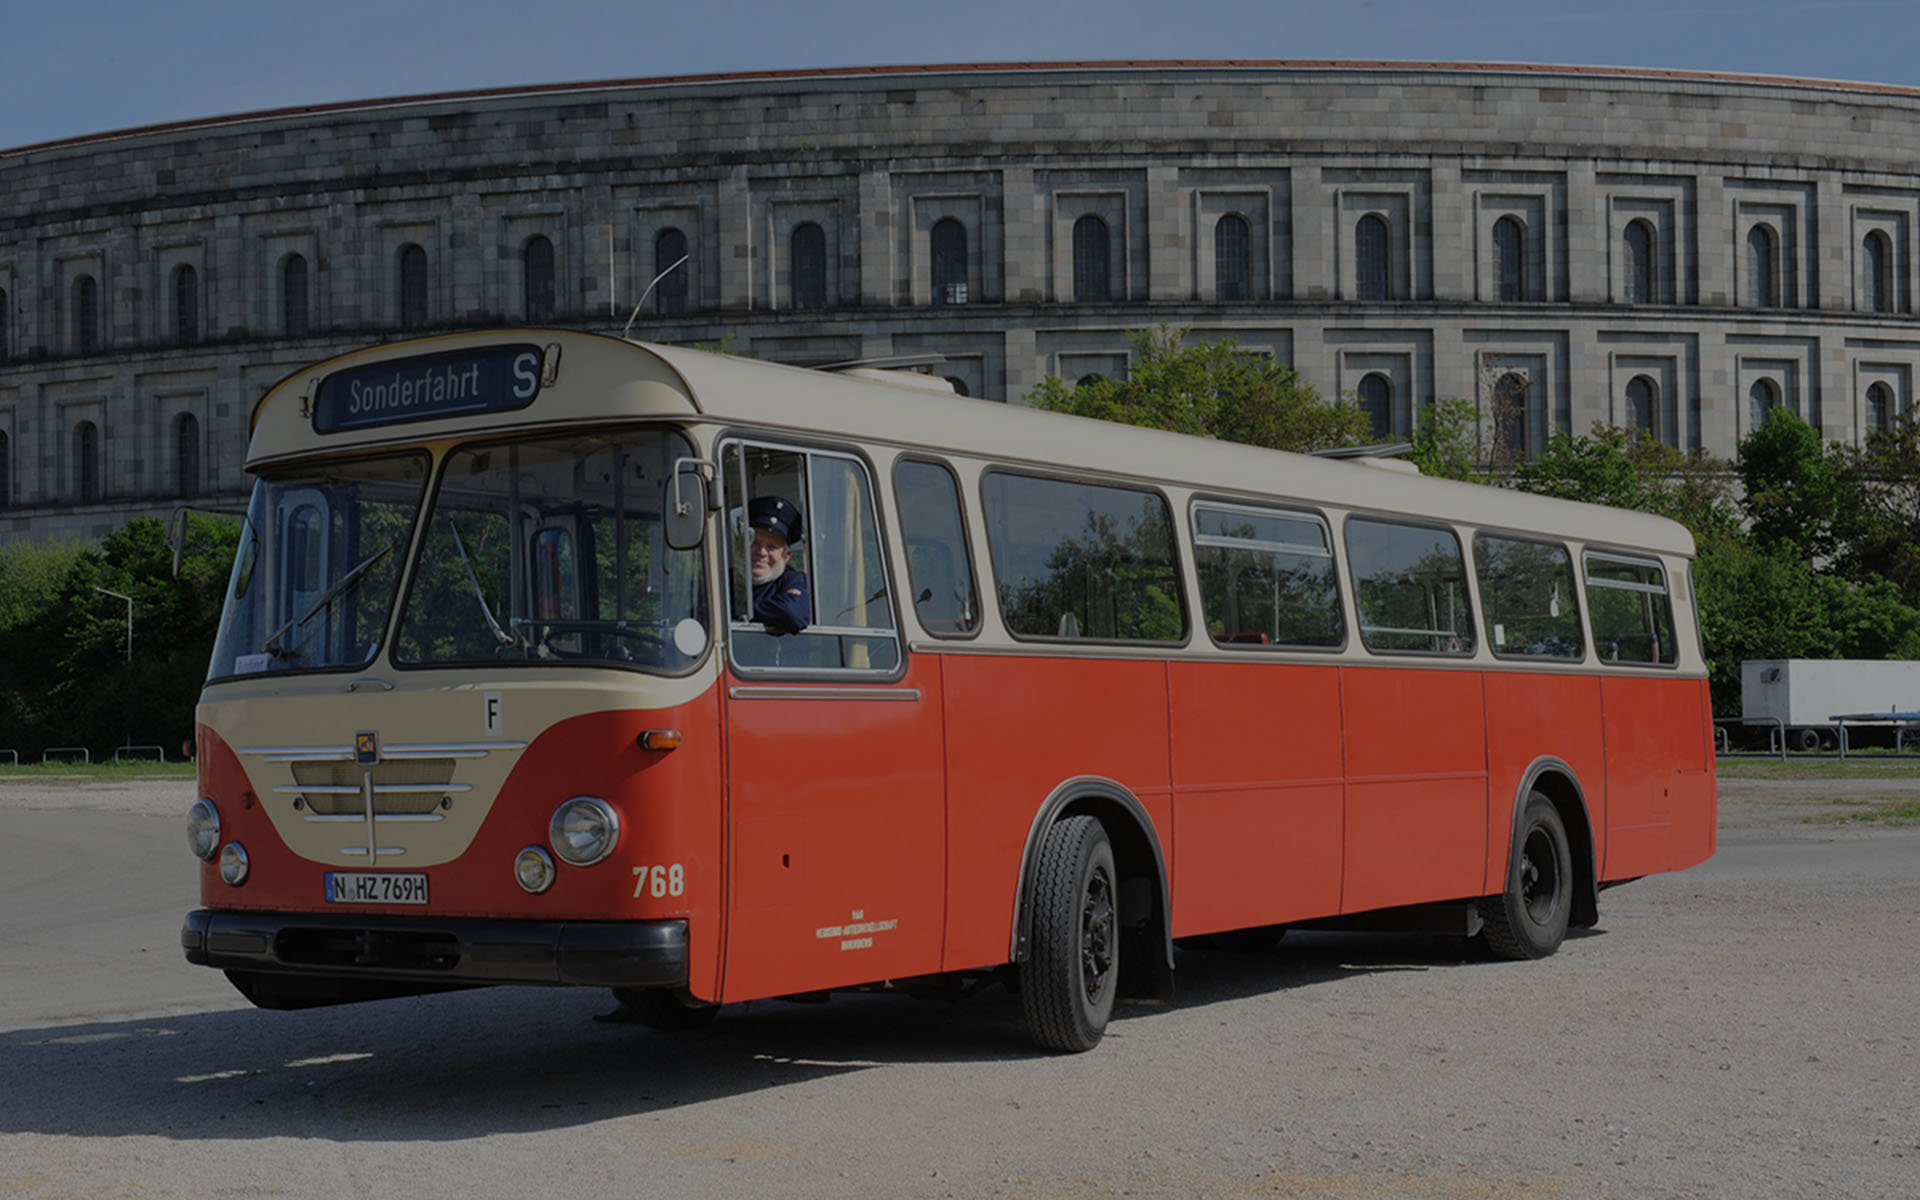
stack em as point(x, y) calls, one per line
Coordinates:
point(781, 603)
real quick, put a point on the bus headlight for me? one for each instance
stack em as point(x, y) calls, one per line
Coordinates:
point(533, 868)
point(583, 831)
point(233, 863)
point(203, 830)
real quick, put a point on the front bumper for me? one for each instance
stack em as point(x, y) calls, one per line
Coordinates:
point(440, 952)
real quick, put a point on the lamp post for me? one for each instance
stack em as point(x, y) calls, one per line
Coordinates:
point(129, 600)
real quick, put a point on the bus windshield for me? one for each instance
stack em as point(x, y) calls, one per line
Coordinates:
point(551, 550)
point(320, 556)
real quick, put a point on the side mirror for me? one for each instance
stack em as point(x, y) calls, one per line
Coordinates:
point(684, 506)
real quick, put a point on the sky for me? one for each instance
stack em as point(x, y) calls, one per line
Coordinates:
point(74, 67)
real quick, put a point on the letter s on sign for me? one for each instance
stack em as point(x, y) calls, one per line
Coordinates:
point(526, 375)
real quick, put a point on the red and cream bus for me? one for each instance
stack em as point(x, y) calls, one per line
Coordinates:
point(488, 704)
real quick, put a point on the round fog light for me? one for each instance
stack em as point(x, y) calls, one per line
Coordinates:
point(533, 869)
point(233, 863)
point(583, 831)
point(203, 830)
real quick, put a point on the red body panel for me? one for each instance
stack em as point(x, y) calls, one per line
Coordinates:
point(1416, 786)
point(836, 817)
point(876, 831)
point(1531, 715)
point(1258, 794)
point(1017, 728)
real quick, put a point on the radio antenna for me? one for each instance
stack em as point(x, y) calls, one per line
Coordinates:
point(642, 302)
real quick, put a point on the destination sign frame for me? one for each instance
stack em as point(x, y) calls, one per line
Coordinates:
point(429, 387)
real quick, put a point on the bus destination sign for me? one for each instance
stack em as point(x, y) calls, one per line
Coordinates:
point(490, 379)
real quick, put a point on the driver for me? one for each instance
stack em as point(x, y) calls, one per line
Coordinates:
point(780, 599)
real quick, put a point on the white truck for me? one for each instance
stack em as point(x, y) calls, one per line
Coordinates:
point(1801, 697)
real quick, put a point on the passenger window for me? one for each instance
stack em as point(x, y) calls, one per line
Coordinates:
point(1632, 615)
point(1081, 560)
point(939, 567)
point(1410, 588)
point(1266, 577)
point(1527, 590)
point(820, 599)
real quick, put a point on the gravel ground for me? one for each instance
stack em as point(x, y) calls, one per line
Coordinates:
point(1742, 1030)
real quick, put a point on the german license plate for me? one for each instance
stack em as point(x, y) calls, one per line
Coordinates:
point(376, 887)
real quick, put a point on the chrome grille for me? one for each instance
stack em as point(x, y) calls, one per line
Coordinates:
point(419, 785)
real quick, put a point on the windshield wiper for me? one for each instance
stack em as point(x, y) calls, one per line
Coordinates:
point(340, 588)
point(504, 638)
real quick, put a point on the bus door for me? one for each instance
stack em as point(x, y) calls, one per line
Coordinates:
point(835, 777)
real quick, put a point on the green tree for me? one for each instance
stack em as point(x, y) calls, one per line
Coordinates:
point(1610, 466)
point(1446, 443)
point(1209, 389)
point(1879, 512)
point(72, 681)
point(1790, 483)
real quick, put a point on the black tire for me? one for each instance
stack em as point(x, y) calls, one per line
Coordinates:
point(1807, 740)
point(1072, 968)
point(1529, 919)
point(662, 1009)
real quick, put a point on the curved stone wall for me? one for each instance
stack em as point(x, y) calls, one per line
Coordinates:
point(1559, 245)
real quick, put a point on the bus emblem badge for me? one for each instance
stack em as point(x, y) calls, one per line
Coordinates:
point(366, 749)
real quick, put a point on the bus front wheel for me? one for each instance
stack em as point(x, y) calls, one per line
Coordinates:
point(1529, 919)
point(660, 1008)
point(1072, 968)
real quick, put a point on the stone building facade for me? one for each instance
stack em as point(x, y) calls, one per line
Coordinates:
point(1561, 246)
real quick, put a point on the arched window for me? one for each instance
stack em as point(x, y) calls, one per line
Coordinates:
point(1091, 244)
point(1376, 398)
point(536, 276)
point(1763, 265)
point(186, 305)
point(86, 315)
point(293, 295)
point(807, 251)
point(413, 287)
point(86, 462)
point(959, 385)
point(1510, 258)
point(1877, 262)
point(1510, 418)
point(1640, 264)
point(1879, 409)
point(1643, 403)
point(1373, 257)
point(6, 473)
point(1762, 398)
point(6, 324)
point(670, 293)
point(1232, 259)
point(948, 243)
point(186, 456)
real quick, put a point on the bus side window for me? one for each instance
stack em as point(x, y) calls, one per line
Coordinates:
point(1082, 560)
point(852, 625)
point(1631, 611)
point(1266, 577)
point(939, 567)
point(1410, 588)
point(1527, 589)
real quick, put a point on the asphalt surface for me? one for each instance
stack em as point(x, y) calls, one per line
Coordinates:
point(1744, 1029)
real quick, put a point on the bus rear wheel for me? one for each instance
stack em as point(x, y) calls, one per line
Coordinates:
point(1072, 968)
point(1529, 919)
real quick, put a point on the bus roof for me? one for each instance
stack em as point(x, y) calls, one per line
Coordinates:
point(625, 380)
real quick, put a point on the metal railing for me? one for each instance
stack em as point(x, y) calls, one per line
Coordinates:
point(1776, 734)
point(86, 755)
point(129, 752)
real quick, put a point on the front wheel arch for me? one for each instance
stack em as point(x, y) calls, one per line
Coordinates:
point(1146, 963)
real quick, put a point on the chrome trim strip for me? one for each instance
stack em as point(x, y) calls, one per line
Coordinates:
point(448, 749)
point(381, 818)
point(358, 850)
point(379, 789)
point(302, 753)
point(748, 692)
